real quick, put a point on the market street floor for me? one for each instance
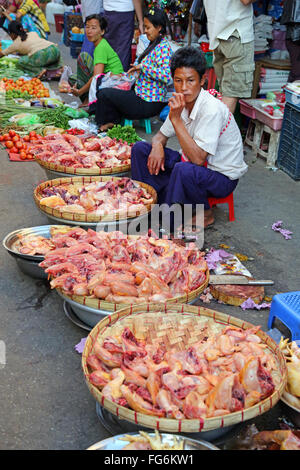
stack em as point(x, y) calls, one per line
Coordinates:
point(45, 401)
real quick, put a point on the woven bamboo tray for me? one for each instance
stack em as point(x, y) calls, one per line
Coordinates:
point(176, 326)
point(83, 171)
point(99, 304)
point(79, 181)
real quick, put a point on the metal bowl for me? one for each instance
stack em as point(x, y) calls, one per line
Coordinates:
point(28, 264)
point(113, 424)
point(115, 442)
point(31, 268)
point(292, 412)
point(12, 237)
point(89, 316)
point(105, 226)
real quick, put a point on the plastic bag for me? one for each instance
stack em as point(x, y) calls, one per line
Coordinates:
point(85, 124)
point(76, 113)
point(63, 85)
point(93, 89)
point(122, 81)
point(25, 119)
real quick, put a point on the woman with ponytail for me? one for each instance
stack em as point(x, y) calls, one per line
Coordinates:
point(148, 97)
point(38, 54)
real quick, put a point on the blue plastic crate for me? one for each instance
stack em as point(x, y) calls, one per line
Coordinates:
point(288, 158)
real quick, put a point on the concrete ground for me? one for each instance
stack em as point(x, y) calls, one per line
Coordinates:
point(45, 401)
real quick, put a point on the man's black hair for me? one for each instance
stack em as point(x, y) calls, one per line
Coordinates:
point(189, 57)
point(101, 19)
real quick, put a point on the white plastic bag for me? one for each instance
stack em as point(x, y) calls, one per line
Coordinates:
point(93, 89)
point(63, 85)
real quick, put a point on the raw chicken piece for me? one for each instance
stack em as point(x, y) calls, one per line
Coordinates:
point(137, 403)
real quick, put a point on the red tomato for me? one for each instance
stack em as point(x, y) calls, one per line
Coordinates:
point(19, 145)
point(9, 144)
point(1, 138)
point(23, 156)
point(32, 134)
point(12, 133)
point(6, 137)
point(14, 150)
point(26, 138)
point(16, 138)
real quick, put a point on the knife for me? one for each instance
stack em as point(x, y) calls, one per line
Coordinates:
point(235, 279)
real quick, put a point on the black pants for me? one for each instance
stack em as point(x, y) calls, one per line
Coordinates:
point(294, 50)
point(114, 104)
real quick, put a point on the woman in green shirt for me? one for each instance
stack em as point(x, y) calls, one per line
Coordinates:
point(105, 58)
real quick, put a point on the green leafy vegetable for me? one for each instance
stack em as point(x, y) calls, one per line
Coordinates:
point(124, 134)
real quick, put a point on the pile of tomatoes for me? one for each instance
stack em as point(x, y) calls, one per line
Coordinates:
point(33, 87)
point(75, 131)
point(19, 145)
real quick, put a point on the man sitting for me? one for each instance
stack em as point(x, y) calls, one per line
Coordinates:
point(210, 161)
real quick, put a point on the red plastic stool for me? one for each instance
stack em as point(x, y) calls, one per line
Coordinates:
point(213, 201)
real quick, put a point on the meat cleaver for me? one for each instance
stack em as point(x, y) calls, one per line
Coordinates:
point(236, 279)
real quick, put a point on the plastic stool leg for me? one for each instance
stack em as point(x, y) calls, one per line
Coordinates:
point(148, 126)
point(270, 321)
point(231, 211)
point(146, 123)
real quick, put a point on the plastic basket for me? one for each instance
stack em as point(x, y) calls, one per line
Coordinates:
point(274, 123)
point(292, 98)
point(76, 37)
point(289, 145)
point(247, 109)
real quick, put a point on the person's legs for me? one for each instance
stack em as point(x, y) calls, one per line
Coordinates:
point(119, 34)
point(237, 70)
point(193, 184)
point(139, 169)
point(114, 104)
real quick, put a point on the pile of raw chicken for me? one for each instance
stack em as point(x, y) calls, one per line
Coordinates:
point(80, 151)
point(226, 370)
point(119, 196)
point(123, 269)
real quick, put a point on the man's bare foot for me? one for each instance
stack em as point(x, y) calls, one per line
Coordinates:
point(107, 126)
point(208, 218)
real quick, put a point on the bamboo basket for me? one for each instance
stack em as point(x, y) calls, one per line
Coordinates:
point(176, 325)
point(79, 181)
point(99, 304)
point(83, 171)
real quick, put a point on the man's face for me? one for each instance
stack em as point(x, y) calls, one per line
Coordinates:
point(187, 81)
